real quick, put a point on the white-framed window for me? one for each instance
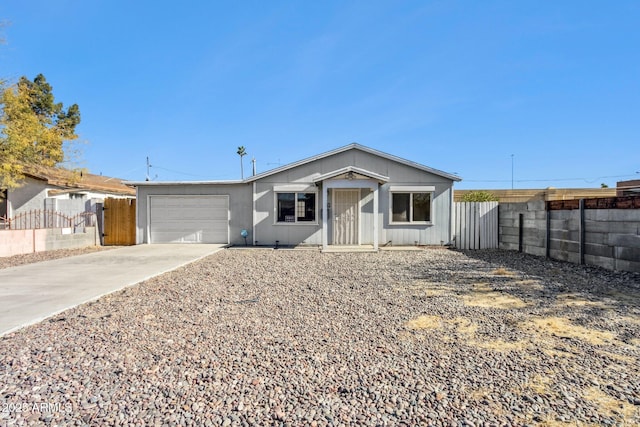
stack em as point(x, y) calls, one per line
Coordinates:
point(411, 206)
point(296, 207)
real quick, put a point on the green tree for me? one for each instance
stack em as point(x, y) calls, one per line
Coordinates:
point(33, 128)
point(479, 196)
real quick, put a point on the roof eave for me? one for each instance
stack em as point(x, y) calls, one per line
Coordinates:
point(378, 153)
point(159, 183)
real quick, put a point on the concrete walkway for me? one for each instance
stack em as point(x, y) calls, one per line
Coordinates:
point(33, 292)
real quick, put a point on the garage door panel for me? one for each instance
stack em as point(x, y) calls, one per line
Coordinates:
point(189, 219)
point(176, 237)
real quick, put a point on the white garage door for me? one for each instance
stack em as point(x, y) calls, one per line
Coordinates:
point(189, 219)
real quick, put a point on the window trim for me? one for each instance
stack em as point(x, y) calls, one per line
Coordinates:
point(411, 191)
point(282, 190)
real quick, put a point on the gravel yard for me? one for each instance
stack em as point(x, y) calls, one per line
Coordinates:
point(296, 337)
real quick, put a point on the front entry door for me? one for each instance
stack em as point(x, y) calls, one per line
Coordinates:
point(346, 209)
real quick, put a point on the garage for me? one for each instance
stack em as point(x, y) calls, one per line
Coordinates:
point(188, 219)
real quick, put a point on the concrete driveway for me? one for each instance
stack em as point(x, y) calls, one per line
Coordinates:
point(33, 292)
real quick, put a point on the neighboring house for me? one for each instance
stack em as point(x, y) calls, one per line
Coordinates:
point(350, 196)
point(628, 188)
point(60, 190)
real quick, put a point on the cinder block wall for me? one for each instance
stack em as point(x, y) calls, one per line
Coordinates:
point(611, 236)
point(565, 235)
point(17, 242)
point(534, 227)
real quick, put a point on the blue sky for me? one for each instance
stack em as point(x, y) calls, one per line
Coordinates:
point(460, 86)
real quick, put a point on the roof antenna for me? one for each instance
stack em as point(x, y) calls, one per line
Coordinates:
point(253, 160)
point(148, 166)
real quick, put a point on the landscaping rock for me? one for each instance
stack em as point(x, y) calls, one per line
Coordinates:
point(286, 337)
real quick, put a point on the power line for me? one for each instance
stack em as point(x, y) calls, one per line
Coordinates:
point(588, 180)
point(185, 173)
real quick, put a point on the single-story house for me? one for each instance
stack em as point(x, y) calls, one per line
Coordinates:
point(60, 190)
point(351, 196)
point(628, 188)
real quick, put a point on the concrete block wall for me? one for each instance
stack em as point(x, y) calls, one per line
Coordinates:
point(67, 207)
point(534, 227)
point(564, 236)
point(18, 242)
point(611, 236)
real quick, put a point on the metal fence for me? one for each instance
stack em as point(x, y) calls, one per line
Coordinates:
point(476, 225)
point(43, 218)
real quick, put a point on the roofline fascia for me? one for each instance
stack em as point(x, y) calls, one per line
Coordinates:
point(361, 148)
point(409, 163)
point(160, 183)
point(301, 162)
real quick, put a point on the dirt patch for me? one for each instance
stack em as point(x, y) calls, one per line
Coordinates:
point(579, 300)
point(609, 405)
point(563, 328)
point(503, 272)
point(424, 322)
point(483, 295)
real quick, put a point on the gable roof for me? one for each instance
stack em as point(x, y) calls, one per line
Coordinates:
point(354, 146)
point(309, 160)
point(352, 170)
point(71, 181)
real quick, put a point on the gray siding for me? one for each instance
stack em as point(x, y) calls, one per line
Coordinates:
point(437, 233)
point(267, 232)
point(366, 216)
point(240, 202)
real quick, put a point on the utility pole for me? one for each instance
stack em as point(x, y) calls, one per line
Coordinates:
point(512, 171)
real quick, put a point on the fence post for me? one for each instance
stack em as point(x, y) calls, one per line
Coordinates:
point(548, 232)
point(520, 231)
point(100, 221)
point(582, 231)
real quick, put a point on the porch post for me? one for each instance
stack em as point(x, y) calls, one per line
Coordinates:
point(325, 213)
point(376, 216)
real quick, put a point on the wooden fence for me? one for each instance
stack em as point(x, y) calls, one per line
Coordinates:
point(476, 225)
point(119, 222)
point(45, 218)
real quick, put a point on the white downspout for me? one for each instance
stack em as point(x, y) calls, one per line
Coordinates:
point(325, 232)
point(253, 215)
point(376, 217)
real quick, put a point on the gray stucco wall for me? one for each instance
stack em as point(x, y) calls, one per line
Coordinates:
point(240, 203)
point(28, 197)
point(267, 231)
point(33, 196)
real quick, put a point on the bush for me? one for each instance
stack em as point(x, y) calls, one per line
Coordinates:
point(479, 196)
